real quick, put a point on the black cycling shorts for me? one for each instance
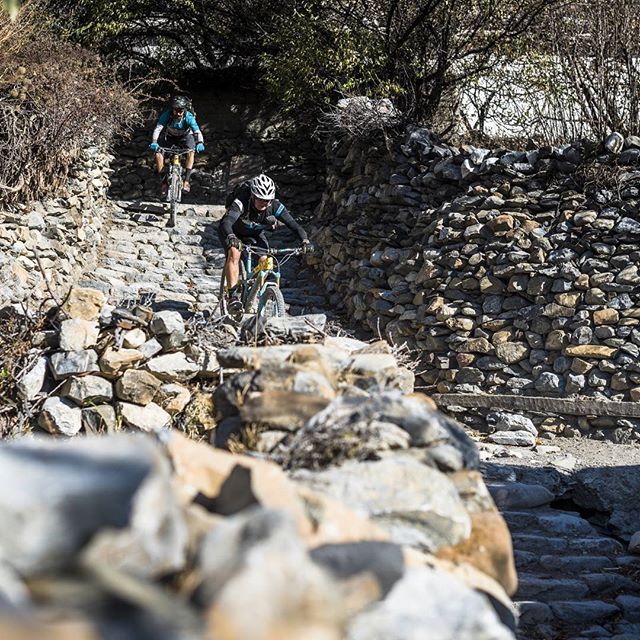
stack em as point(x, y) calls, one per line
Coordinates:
point(256, 241)
point(186, 141)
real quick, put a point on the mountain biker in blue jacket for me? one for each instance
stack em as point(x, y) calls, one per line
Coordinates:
point(177, 127)
point(253, 212)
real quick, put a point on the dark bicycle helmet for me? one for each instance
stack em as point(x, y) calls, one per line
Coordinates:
point(179, 102)
point(263, 187)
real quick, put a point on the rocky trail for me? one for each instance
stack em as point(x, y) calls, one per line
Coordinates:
point(144, 260)
point(340, 418)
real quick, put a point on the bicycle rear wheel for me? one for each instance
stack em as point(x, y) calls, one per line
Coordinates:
point(272, 303)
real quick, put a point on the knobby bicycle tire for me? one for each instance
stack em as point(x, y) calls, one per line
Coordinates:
point(175, 195)
point(272, 303)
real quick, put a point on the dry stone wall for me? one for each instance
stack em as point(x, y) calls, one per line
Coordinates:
point(44, 246)
point(509, 272)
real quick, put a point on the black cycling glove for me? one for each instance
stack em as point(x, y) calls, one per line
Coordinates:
point(233, 241)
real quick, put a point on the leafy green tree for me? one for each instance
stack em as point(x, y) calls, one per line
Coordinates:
point(419, 51)
point(311, 52)
point(172, 36)
point(11, 6)
point(312, 57)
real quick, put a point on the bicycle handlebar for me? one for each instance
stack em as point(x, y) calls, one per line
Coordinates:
point(272, 252)
point(180, 152)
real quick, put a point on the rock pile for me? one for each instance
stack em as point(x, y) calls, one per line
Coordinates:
point(322, 544)
point(343, 419)
point(510, 272)
point(45, 245)
point(131, 538)
point(108, 367)
point(330, 551)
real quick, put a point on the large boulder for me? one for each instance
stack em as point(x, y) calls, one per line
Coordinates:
point(257, 558)
point(67, 492)
point(427, 512)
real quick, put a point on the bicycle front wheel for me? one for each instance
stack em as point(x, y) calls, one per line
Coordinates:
point(175, 195)
point(272, 303)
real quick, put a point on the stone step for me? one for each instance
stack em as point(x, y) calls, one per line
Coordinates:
point(535, 616)
point(525, 559)
point(610, 583)
point(547, 589)
point(518, 495)
point(564, 564)
point(541, 544)
point(627, 630)
point(548, 521)
point(628, 561)
point(593, 632)
point(572, 565)
point(584, 612)
point(630, 606)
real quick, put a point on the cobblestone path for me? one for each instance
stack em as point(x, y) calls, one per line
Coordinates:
point(180, 268)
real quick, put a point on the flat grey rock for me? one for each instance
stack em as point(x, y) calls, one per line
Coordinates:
point(427, 513)
point(630, 607)
point(550, 589)
point(516, 495)
point(67, 492)
point(581, 613)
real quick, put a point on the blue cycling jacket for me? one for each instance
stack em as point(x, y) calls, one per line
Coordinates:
point(177, 126)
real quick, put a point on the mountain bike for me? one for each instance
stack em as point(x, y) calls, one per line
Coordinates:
point(174, 180)
point(258, 288)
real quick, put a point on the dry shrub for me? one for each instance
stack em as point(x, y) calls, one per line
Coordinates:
point(55, 99)
point(361, 117)
point(16, 357)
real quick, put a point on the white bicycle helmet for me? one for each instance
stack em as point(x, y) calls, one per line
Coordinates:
point(263, 187)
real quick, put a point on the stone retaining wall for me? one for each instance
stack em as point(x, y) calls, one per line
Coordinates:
point(508, 272)
point(44, 246)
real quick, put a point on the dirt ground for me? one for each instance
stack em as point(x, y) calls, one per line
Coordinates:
point(599, 453)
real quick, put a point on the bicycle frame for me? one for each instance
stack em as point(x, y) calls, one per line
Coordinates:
point(174, 177)
point(257, 280)
point(260, 275)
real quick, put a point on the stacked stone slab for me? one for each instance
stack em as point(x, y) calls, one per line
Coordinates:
point(44, 246)
point(323, 543)
point(342, 417)
point(113, 367)
point(511, 272)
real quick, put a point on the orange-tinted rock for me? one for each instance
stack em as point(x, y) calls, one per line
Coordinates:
point(488, 548)
point(333, 522)
point(230, 482)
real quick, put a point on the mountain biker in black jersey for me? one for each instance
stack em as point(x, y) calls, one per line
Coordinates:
point(177, 127)
point(253, 212)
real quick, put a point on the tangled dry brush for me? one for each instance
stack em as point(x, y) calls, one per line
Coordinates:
point(55, 98)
